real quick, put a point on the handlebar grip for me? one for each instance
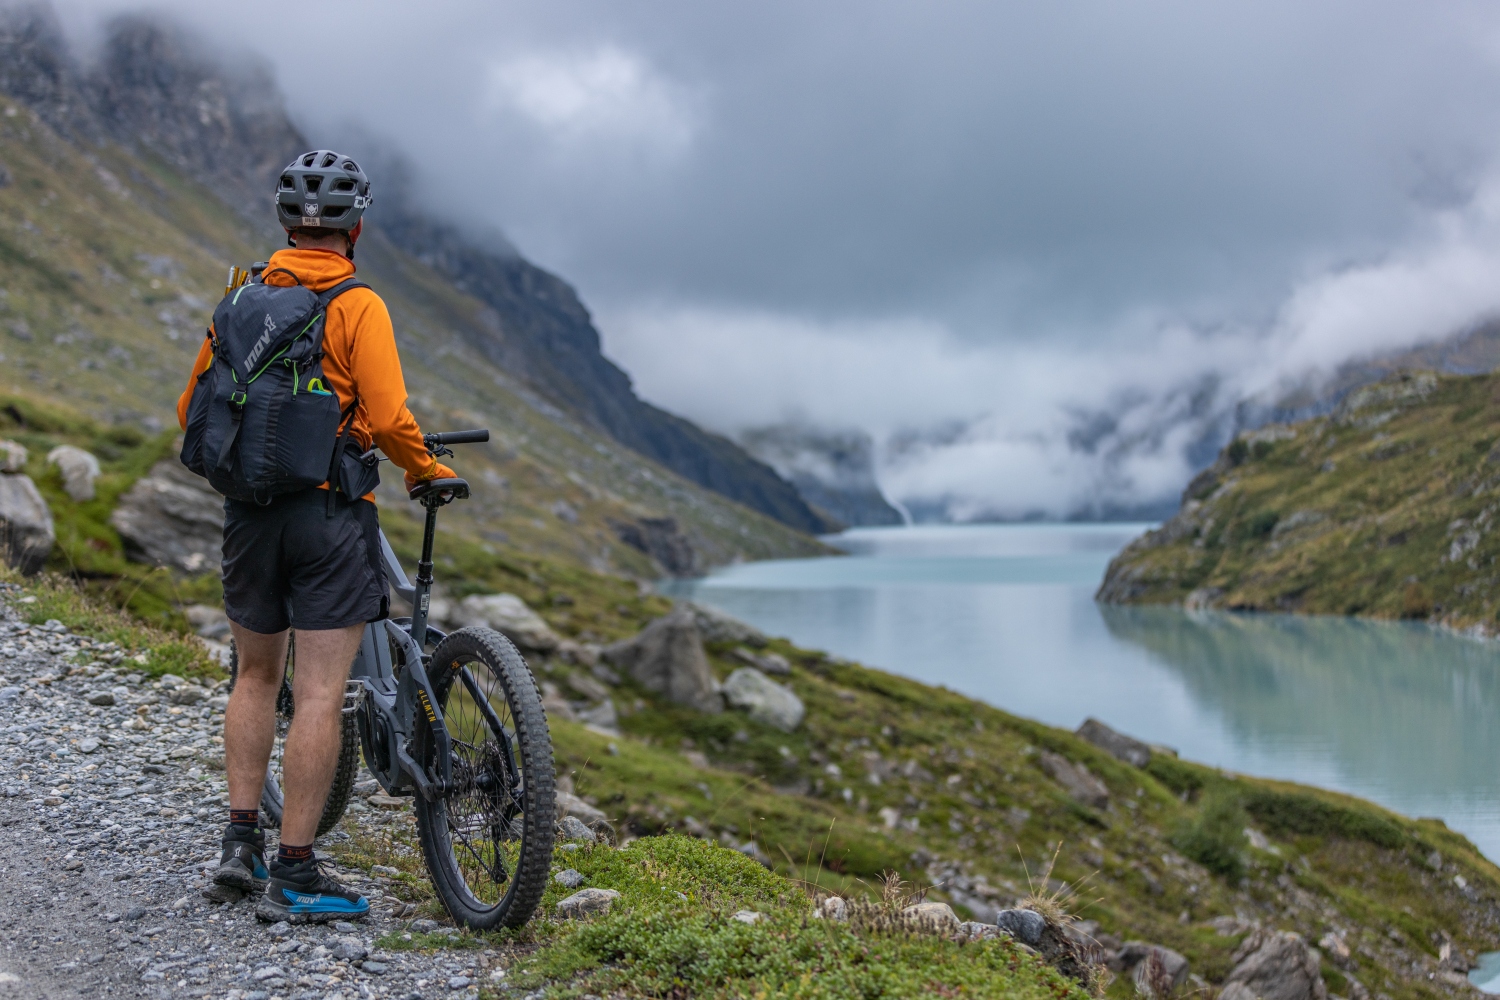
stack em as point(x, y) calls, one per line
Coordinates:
point(458, 437)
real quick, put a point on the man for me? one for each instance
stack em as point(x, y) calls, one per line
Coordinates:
point(299, 562)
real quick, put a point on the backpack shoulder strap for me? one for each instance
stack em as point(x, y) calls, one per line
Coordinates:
point(330, 294)
point(347, 417)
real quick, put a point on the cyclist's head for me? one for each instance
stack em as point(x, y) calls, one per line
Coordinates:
point(322, 194)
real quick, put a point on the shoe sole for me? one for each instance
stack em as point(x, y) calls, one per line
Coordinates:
point(272, 913)
point(236, 877)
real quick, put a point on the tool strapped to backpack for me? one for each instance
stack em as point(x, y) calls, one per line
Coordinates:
point(262, 421)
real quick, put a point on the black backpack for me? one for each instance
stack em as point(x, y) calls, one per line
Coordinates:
point(262, 422)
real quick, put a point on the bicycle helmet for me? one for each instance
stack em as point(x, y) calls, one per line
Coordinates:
point(322, 190)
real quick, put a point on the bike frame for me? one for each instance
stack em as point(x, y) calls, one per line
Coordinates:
point(389, 710)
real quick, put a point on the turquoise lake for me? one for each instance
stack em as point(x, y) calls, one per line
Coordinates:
point(1402, 714)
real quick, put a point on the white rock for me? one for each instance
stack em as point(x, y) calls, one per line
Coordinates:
point(748, 916)
point(508, 615)
point(586, 902)
point(766, 701)
point(26, 532)
point(571, 828)
point(79, 470)
point(12, 457)
point(936, 915)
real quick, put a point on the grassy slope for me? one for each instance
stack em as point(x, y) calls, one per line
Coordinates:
point(111, 264)
point(1384, 508)
point(966, 783)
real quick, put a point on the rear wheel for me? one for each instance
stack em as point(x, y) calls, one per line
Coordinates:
point(488, 842)
point(271, 797)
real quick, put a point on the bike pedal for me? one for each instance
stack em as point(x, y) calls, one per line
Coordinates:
point(354, 694)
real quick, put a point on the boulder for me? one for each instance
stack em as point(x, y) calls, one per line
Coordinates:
point(932, 916)
point(569, 804)
point(1026, 926)
point(974, 930)
point(586, 902)
point(1131, 751)
point(667, 657)
point(26, 531)
point(1133, 953)
point(571, 828)
point(716, 626)
point(1276, 965)
point(1076, 778)
point(172, 518)
point(79, 470)
point(12, 457)
point(508, 615)
point(765, 700)
point(208, 621)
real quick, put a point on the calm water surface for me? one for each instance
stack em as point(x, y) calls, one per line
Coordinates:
point(1402, 714)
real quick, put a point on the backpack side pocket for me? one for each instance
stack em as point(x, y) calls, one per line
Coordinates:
point(197, 422)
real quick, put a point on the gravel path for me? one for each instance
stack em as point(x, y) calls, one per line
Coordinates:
point(112, 803)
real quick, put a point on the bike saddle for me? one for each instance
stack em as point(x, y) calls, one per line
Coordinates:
point(447, 490)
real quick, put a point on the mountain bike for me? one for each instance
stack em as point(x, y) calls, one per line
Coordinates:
point(460, 729)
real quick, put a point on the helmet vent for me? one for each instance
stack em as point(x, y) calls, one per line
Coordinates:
point(328, 159)
point(307, 160)
point(335, 212)
point(287, 184)
point(313, 183)
point(351, 165)
point(342, 186)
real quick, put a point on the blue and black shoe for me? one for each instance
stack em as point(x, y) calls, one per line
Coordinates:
point(301, 894)
point(243, 863)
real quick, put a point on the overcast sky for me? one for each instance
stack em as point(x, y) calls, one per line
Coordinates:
point(993, 223)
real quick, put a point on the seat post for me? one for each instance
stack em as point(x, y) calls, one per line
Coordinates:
point(423, 595)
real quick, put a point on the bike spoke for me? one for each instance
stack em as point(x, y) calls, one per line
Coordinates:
point(481, 809)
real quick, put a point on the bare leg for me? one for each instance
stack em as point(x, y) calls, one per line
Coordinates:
point(312, 745)
point(250, 719)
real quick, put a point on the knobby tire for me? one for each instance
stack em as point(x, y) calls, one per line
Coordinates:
point(488, 850)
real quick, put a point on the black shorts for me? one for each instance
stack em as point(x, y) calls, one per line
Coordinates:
point(290, 564)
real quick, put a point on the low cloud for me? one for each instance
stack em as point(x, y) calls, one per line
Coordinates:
point(1013, 428)
point(600, 96)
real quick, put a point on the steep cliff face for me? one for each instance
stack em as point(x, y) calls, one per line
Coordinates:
point(538, 330)
point(225, 125)
point(833, 470)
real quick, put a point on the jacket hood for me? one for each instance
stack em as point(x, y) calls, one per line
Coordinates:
point(318, 270)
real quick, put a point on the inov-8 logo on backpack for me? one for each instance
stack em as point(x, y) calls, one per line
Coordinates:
point(261, 421)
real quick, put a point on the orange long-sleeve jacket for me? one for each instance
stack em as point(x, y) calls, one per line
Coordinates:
point(359, 359)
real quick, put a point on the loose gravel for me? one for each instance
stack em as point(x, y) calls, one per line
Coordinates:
point(112, 803)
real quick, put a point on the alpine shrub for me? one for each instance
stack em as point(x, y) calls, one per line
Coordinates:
point(1215, 837)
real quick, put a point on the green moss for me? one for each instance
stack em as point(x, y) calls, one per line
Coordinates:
point(672, 933)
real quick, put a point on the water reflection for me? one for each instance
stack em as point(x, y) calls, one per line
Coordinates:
point(1398, 713)
point(1402, 711)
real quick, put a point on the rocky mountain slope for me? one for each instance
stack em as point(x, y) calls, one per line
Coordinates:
point(112, 257)
point(1384, 507)
point(153, 97)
